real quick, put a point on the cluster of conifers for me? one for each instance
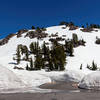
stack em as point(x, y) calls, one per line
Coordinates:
point(45, 57)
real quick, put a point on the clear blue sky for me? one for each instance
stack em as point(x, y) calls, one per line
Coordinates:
point(18, 14)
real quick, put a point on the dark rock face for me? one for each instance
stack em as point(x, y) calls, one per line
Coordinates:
point(35, 34)
point(20, 32)
point(87, 29)
point(19, 68)
point(73, 27)
point(5, 40)
point(54, 35)
point(56, 39)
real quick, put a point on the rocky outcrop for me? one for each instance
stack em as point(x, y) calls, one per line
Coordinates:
point(87, 29)
point(35, 34)
point(5, 40)
point(73, 27)
point(56, 39)
point(20, 32)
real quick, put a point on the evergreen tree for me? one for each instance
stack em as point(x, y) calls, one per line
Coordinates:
point(18, 54)
point(70, 49)
point(38, 64)
point(94, 66)
point(88, 66)
point(26, 53)
point(31, 64)
point(45, 49)
point(27, 67)
point(82, 26)
point(71, 24)
point(63, 23)
point(81, 67)
point(75, 38)
point(51, 64)
point(43, 29)
point(38, 30)
point(33, 27)
point(37, 48)
point(32, 48)
point(58, 57)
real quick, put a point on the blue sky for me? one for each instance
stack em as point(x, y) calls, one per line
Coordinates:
point(18, 14)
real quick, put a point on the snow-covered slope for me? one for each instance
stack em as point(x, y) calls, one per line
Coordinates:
point(82, 55)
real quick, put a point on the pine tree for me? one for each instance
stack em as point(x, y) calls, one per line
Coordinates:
point(32, 48)
point(31, 64)
point(75, 38)
point(45, 49)
point(82, 26)
point(33, 27)
point(38, 64)
point(38, 30)
point(64, 23)
point(94, 66)
point(26, 53)
point(51, 64)
point(59, 57)
point(88, 66)
point(43, 29)
point(81, 67)
point(18, 54)
point(27, 67)
point(70, 49)
point(36, 48)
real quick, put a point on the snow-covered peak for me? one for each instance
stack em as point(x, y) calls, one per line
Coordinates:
point(82, 55)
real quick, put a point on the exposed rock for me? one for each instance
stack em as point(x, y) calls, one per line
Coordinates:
point(19, 68)
point(35, 34)
point(73, 27)
point(54, 35)
point(20, 32)
point(63, 27)
point(60, 39)
point(56, 39)
point(6, 39)
point(87, 29)
point(63, 35)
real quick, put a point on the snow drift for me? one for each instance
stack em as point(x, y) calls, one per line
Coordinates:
point(67, 76)
point(91, 81)
point(9, 80)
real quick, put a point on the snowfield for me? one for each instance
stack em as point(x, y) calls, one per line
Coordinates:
point(11, 78)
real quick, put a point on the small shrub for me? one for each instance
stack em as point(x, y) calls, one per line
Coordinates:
point(39, 30)
point(33, 27)
point(97, 41)
point(81, 67)
point(93, 67)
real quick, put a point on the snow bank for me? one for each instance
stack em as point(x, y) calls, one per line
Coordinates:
point(8, 80)
point(91, 81)
point(68, 76)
